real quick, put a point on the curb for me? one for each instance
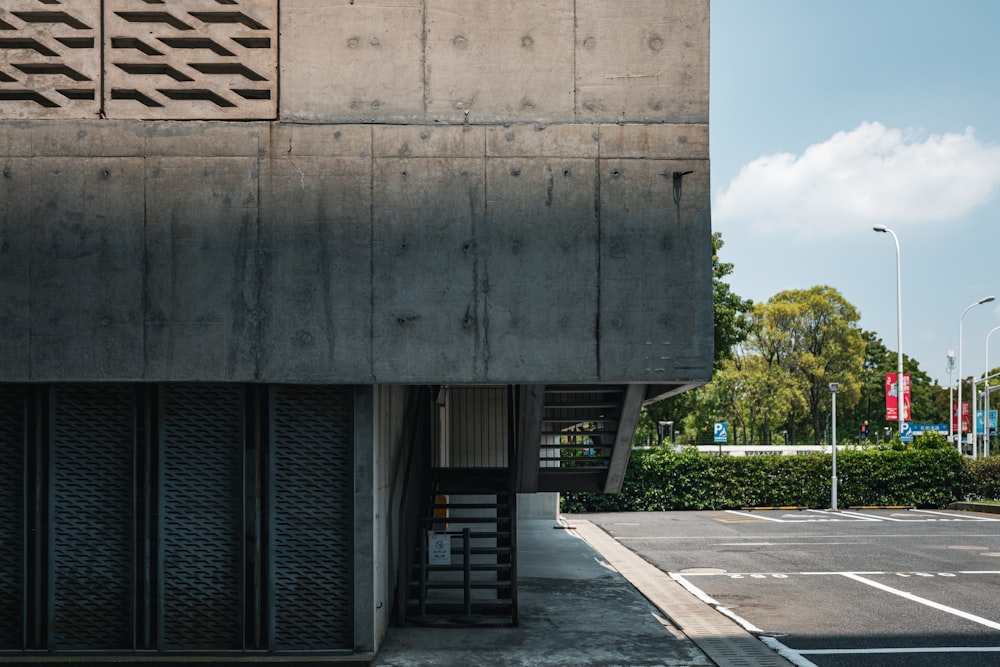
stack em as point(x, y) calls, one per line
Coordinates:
point(985, 508)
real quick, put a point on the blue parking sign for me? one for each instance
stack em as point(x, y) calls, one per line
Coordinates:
point(721, 432)
point(906, 432)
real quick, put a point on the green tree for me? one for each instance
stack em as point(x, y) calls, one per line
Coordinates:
point(732, 322)
point(754, 393)
point(815, 335)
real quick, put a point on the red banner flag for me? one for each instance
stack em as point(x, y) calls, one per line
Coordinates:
point(965, 418)
point(892, 397)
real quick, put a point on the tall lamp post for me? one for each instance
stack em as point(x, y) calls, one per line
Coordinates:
point(985, 299)
point(986, 389)
point(834, 389)
point(950, 356)
point(900, 384)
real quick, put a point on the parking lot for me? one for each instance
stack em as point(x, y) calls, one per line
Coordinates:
point(869, 587)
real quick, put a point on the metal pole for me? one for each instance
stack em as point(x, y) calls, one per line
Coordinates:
point(986, 380)
point(950, 356)
point(960, 319)
point(900, 384)
point(834, 388)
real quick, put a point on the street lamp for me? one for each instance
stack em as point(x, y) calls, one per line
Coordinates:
point(834, 388)
point(950, 355)
point(900, 384)
point(985, 299)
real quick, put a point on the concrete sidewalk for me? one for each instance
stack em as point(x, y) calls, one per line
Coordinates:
point(576, 608)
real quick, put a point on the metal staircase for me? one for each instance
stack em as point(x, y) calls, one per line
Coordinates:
point(583, 435)
point(464, 571)
point(495, 443)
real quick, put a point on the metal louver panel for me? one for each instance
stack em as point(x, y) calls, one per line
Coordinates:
point(91, 517)
point(12, 508)
point(201, 517)
point(311, 518)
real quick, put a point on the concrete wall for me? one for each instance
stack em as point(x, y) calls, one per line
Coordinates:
point(446, 191)
point(386, 447)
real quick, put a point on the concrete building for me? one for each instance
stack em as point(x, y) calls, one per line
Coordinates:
point(299, 295)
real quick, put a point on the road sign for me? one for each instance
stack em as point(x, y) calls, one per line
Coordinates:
point(906, 432)
point(721, 432)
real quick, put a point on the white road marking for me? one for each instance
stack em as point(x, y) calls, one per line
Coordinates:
point(958, 517)
point(853, 516)
point(755, 516)
point(928, 649)
point(924, 601)
point(880, 517)
point(789, 654)
point(776, 544)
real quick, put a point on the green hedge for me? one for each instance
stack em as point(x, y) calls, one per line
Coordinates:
point(984, 479)
point(661, 479)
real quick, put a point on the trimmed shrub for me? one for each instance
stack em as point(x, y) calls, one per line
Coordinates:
point(984, 479)
point(662, 479)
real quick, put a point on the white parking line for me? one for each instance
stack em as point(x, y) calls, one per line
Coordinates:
point(784, 651)
point(755, 516)
point(927, 649)
point(853, 516)
point(911, 516)
point(959, 517)
point(924, 601)
point(882, 517)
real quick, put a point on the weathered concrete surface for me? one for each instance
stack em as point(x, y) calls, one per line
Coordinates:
point(355, 253)
point(494, 61)
point(455, 192)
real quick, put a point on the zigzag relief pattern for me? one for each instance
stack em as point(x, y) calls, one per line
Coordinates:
point(169, 59)
point(195, 59)
point(50, 61)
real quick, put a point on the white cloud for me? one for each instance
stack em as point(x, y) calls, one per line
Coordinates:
point(870, 175)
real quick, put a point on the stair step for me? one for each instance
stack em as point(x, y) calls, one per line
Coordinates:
point(474, 567)
point(476, 585)
point(471, 506)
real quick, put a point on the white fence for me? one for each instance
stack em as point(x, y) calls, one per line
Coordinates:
point(765, 450)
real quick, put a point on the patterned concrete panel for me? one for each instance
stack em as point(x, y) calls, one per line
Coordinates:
point(50, 64)
point(201, 59)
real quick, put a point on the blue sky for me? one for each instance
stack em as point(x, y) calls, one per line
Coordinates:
point(831, 116)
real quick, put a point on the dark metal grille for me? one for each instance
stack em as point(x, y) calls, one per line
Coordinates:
point(91, 517)
point(311, 518)
point(201, 517)
point(12, 510)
